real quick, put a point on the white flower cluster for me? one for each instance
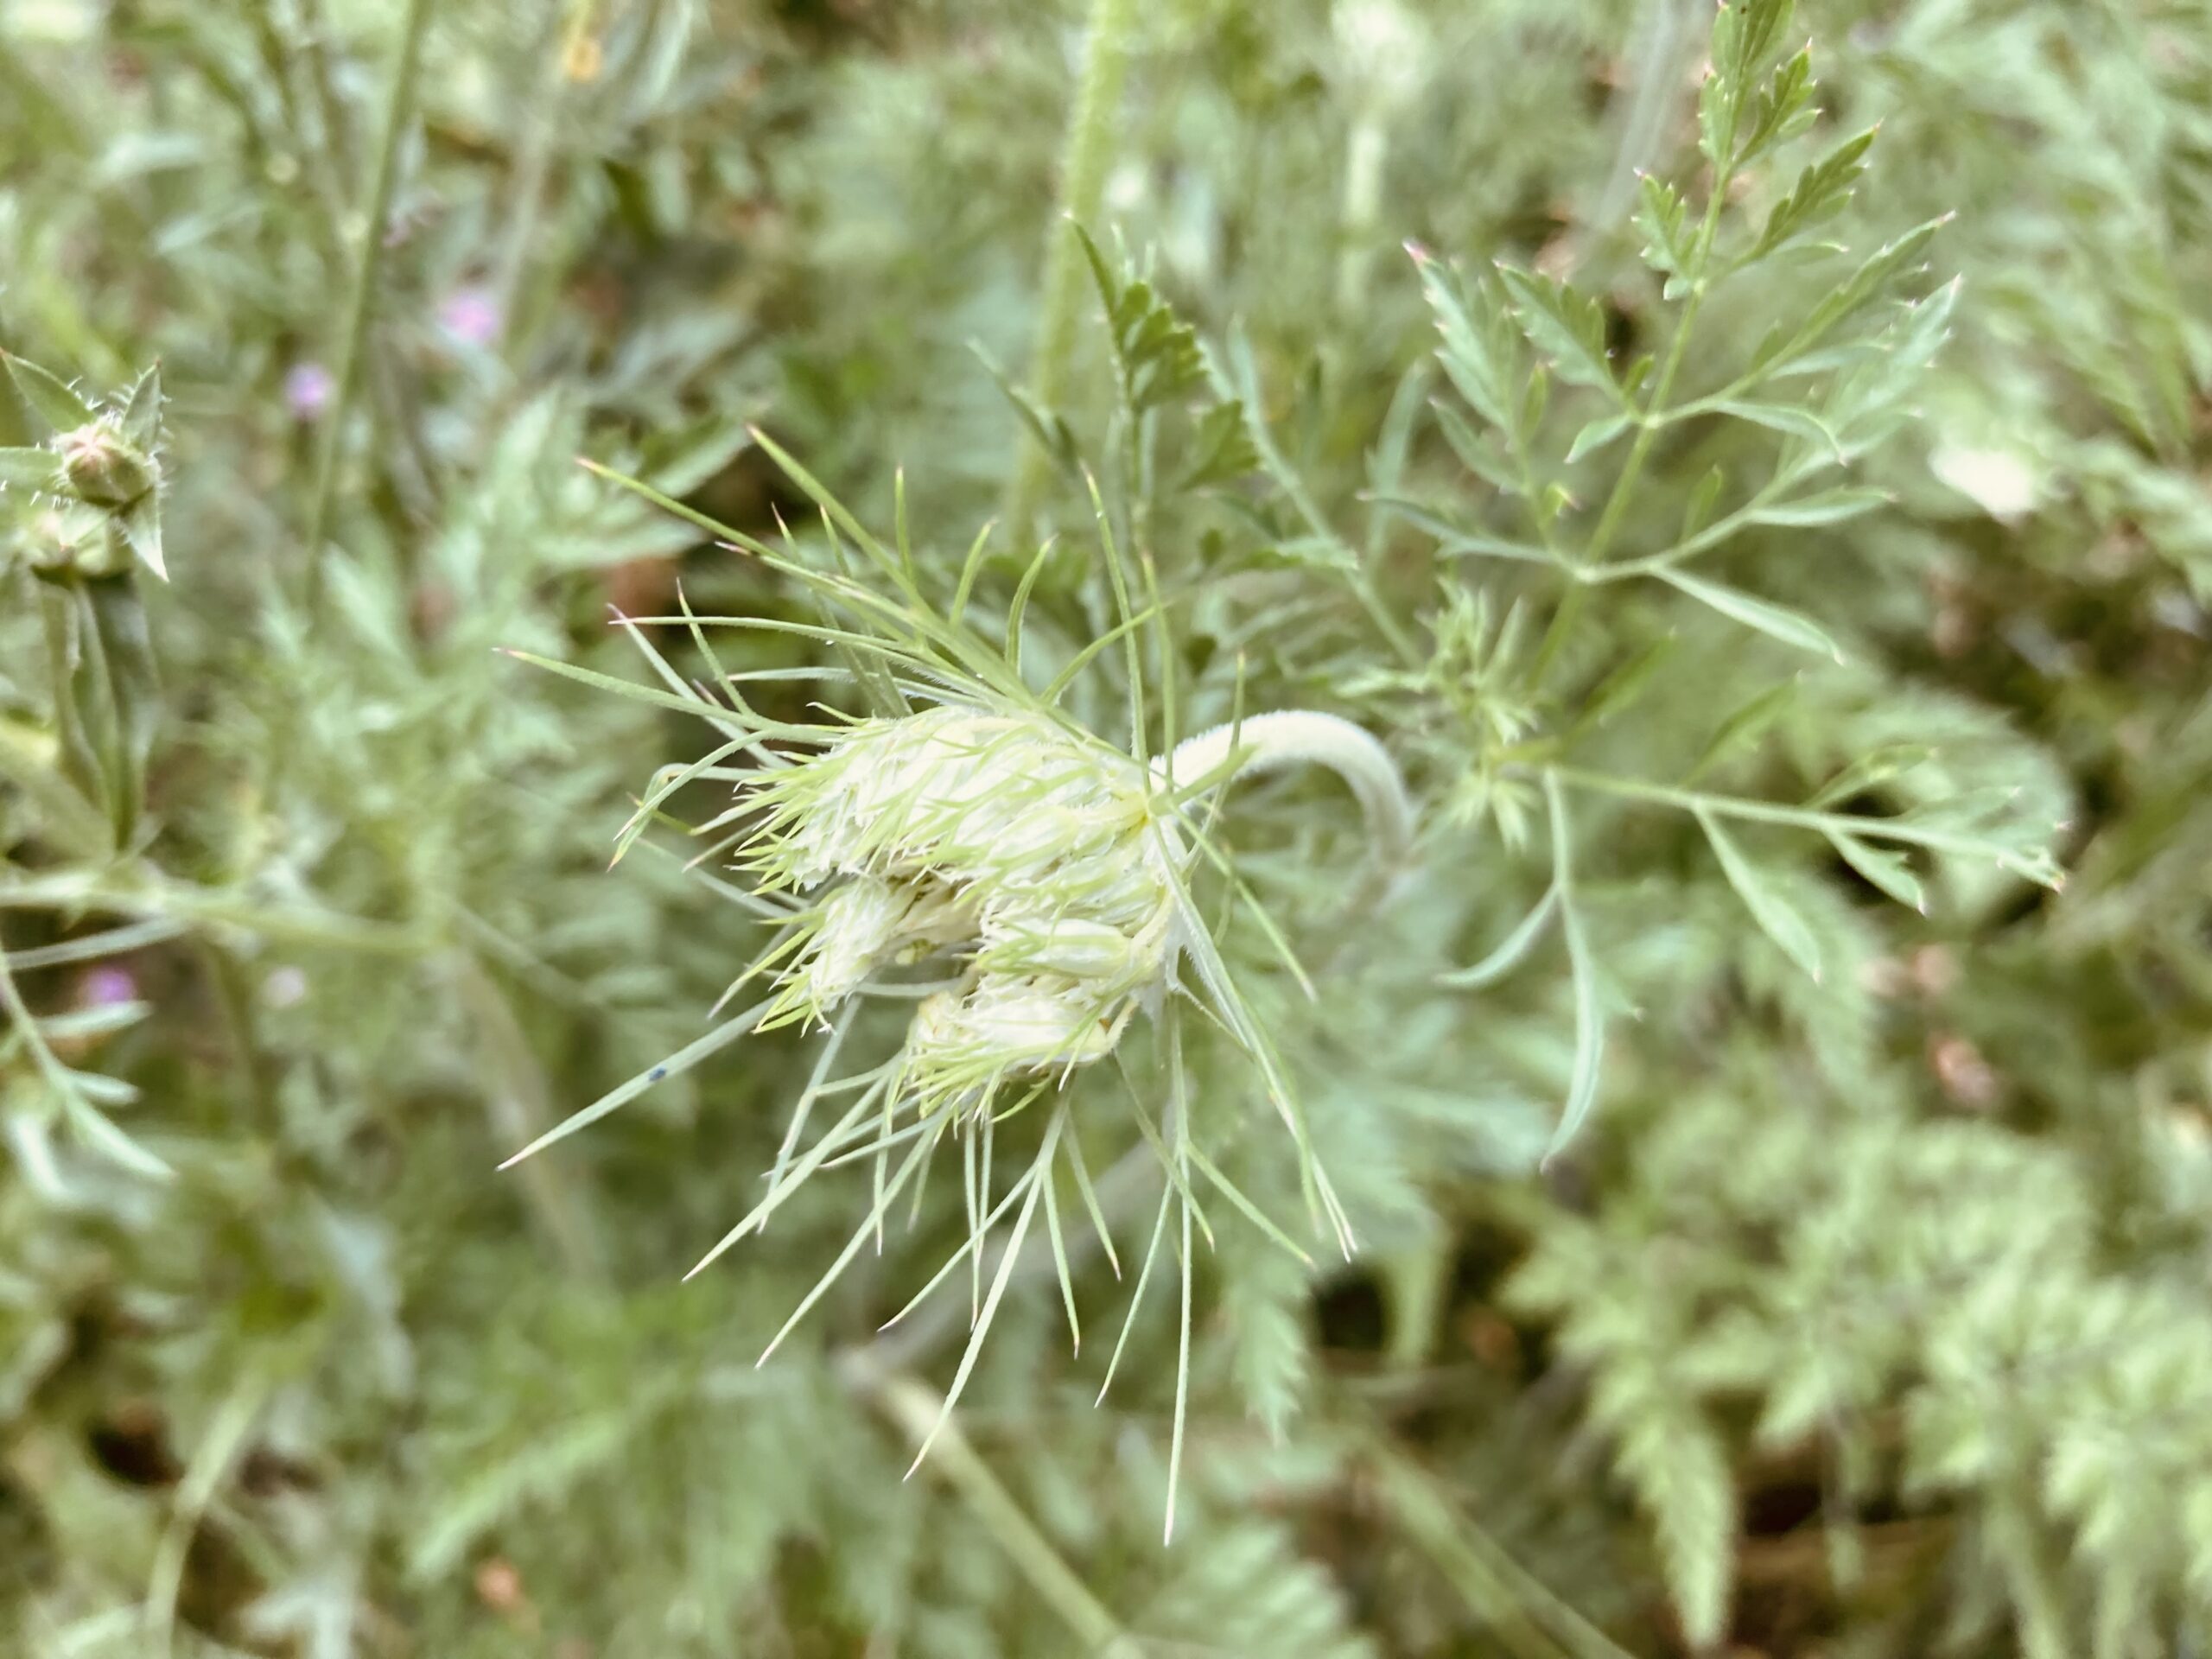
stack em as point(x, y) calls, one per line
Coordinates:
point(1032, 853)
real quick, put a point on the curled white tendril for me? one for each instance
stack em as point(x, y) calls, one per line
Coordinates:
point(1300, 737)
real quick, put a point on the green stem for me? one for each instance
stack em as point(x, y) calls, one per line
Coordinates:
point(1647, 430)
point(30, 761)
point(1680, 552)
point(20, 1016)
point(1804, 817)
point(516, 1101)
point(1296, 737)
point(1089, 150)
point(279, 57)
point(1520, 1612)
point(1240, 379)
point(218, 1449)
point(398, 110)
point(316, 48)
point(150, 896)
point(919, 1412)
point(534, 163)
point(235, 999)
point(1366, 151)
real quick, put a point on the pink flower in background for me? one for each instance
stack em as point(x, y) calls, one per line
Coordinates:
point(107, 987)
point(308, 388)
point(471, 316)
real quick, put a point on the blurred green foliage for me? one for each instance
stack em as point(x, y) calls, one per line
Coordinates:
point(1769, 577)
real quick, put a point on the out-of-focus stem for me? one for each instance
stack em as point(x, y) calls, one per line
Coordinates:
point(557, 49)
point(515, 1103)
point(916, 1409)
point(399, 109)
point(1365, 152)
point(1088, 154)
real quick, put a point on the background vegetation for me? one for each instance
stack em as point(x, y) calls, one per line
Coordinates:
point(1791, 563)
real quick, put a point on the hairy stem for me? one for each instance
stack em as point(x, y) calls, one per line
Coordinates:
point(1297, 737)
point(919, 1412)
point(1366, 152)
point(533, 161)
point(1089, 151)
point(398, 110)
point(2033, 868)
point(1647, 430)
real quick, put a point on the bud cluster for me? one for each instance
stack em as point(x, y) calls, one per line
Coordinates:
point(1031, 853)
point(89, 497)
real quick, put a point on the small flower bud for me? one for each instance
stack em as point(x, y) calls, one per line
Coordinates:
point(962, 1045)
point(103, 467)
point(1070, 947)
point(859, 923)
point(72, 538)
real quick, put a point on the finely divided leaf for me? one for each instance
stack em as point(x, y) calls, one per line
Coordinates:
point(1220, 446)
point(1156, 351)
point(1481, 352)
point(1566, 327)
point(1883, 867)
point(1662, 219)
point(1777, 622)
point(1745, 36)
point(1819, 195)
point(1477, 452)
point(1597, 435)
point(1781, 111)
point(1777, 916)
point(1824, 507)
point(1785, 350)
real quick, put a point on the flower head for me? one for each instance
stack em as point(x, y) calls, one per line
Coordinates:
point(1029, 853)
point(95, 486)
point(471, 315)
point(308, 388)
point(1046, 871)
point(108, 986)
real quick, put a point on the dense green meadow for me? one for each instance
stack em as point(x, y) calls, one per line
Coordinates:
point(1404, 807)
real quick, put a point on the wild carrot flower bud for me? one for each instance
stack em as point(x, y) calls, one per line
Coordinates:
point(866, 923)
point(858, 926)
point(1002, 1026)
point(1027, 850)
point(1048, 865)
point(1047, 869)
